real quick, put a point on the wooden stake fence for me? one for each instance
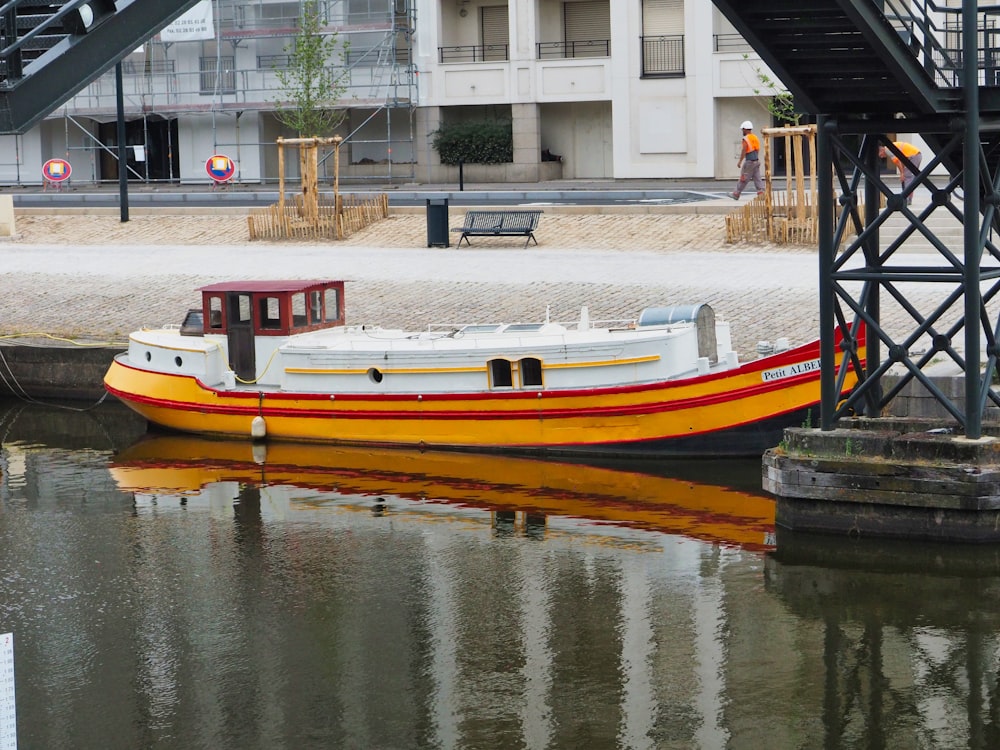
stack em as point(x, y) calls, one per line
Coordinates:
point(788, 216)
point(312, 215)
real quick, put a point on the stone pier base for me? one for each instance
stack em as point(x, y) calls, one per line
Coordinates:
point(900, 478)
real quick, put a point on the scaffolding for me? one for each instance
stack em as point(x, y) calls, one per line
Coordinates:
point(233, 74)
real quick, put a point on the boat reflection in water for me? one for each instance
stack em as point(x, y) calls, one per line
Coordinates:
point(297, 481)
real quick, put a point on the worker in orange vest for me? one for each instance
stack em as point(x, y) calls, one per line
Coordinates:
point(906, 175)
point(749, 162)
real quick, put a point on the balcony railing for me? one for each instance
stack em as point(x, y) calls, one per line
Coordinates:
point(147, 67)
point(662, 56)
point(731, 43)
point(363, 58)
point(587, 48)
point(474, 53)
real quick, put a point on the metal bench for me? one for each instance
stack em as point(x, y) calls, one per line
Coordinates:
point(499, 224)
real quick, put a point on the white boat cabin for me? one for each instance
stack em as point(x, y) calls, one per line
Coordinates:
point(292, 336)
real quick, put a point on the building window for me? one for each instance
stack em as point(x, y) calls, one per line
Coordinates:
point(662, 38)
point(495, 32)
point(218, 75)
point(587, 28)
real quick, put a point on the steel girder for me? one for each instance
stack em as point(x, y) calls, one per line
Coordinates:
point(859, 274)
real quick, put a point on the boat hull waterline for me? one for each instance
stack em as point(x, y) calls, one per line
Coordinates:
point(735, 412)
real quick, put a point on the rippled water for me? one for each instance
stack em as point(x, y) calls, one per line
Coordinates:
point(179, 593)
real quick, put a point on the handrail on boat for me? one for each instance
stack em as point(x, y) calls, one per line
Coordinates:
point(449, 329)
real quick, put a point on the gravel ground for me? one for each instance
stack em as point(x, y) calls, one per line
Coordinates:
point(92, 278)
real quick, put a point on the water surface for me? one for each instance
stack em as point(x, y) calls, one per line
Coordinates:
point(180, 593)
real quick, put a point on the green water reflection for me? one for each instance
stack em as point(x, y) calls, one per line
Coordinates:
point(182, 593)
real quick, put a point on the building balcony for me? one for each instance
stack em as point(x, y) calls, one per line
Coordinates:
point(662, 56)
point(560, 50)
point(473, 53)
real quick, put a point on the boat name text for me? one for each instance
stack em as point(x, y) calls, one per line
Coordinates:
point(790, 370)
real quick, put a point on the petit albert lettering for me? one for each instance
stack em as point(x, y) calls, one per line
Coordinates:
point(789, 371)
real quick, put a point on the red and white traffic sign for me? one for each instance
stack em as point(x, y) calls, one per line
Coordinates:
point(220, 168)
point(56, 170)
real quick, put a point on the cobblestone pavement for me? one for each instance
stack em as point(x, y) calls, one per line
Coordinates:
point(91, 278)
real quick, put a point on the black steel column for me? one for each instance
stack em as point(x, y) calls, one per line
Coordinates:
point(873, 198)
point(827, 351)
point(122, 158)
point(973, 244)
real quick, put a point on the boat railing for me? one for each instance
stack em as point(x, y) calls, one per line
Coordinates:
point(439, 330)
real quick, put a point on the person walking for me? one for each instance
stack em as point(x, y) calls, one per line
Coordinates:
point(906, 175)
point(749, 162)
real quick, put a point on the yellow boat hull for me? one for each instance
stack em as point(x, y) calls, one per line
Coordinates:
point(740, 412)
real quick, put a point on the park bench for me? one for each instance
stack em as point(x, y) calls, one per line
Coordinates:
point(499, 224)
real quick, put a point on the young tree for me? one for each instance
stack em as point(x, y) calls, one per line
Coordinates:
point(778, 101)
point(315, 79)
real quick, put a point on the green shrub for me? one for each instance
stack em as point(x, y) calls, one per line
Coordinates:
point(476, 142)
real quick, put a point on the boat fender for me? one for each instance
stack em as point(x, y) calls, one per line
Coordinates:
point(258, 428)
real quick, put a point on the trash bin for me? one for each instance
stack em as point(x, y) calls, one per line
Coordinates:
point(437, 222)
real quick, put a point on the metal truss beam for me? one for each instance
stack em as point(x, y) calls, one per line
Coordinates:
point(860, 276)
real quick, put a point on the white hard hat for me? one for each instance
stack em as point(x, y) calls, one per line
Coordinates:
point(747, 125)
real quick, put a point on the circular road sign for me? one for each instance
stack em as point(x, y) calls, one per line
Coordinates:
point(220, 168)
point(56, 170)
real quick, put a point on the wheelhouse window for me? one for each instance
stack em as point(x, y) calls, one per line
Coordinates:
point(332, 305)
point(315, 307)
point(215, 313)
point(299, 309)
point(270, 313)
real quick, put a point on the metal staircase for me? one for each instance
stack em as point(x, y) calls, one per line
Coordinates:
point(858, 57)
point(50, 50)
point(867, 69)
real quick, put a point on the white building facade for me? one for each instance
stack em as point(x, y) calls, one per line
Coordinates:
point(643, 89)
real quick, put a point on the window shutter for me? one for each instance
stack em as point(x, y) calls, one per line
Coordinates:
point(496, 31)
point(663, 18)
point(587, 21)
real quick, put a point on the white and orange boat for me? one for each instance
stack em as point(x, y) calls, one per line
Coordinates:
point(296, 481)
point(276, 359)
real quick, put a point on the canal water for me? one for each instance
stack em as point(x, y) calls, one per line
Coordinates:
point(171, 592)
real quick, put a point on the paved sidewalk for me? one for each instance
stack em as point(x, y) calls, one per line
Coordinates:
point(91, 277)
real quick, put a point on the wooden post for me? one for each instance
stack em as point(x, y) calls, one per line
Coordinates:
point(800, 179)
point(281, 174)
point(336, 187)
point(768, 203)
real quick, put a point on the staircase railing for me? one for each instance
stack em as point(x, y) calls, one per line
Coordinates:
point(934, 32)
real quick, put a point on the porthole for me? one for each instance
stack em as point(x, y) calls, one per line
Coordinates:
point(149, 357)
point(178, 361)
point(375, 375)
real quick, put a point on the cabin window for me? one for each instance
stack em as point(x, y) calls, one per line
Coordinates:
point(315, 307)
point(332, 306)
point(500, 374)
point(299, 309)
point(243, 308)
point(270, 313)
point(531, 372)
point(215, 312)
